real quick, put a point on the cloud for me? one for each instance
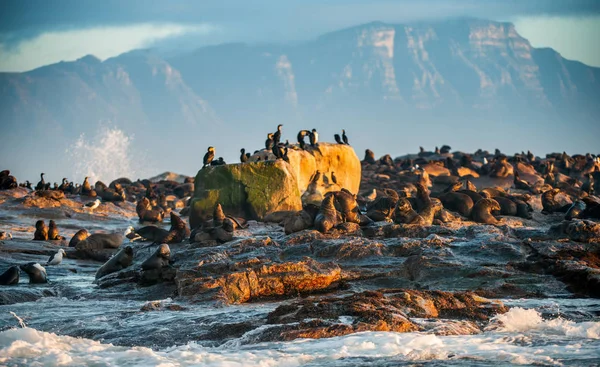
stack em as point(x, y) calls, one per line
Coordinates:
point(102, 42)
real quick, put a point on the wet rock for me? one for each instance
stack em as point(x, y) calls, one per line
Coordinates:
point(244, 281)
point(384, 310)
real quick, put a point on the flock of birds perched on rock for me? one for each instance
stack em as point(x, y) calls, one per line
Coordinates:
point(274, 145)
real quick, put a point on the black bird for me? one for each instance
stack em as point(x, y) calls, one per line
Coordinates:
point(270, 143)
point(244, 157)
point(333, 178)
point(301, 135)
point(209, 156)
point(277, 135)
point(42, 184)
point(344, 137)
point(338, 139)
point(63, 186)
point(280, 151)
point(314, 138)
point(218, 162)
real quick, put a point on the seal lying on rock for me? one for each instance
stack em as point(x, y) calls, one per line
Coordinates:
point(36, 272)
point(121, 260)
point(301, 220)
point(428, 213)
point(383, 206)
point(159, 259)
point(482, 211)
point(81, 235)
point(346, 204)
point(146, 213)
point(41, 231)
point(549, 203)
point(178, 232)
point(10, 276)
point(405, 214)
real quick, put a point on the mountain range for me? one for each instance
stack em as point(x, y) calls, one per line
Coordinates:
point(469, 83)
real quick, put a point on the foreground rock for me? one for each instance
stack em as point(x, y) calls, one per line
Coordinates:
point(382, 310)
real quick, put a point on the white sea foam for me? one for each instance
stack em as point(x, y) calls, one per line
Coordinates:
point(519, 337)
point(106, 156)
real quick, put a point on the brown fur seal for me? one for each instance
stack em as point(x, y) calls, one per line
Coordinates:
point(511, 207)
point(327, 218)
point(53, 232)
point(482, 211)
point(81, 235)
point(116, 194)
point(346, 204)
point(218, 216)
point(178, 232)
point(36, 272)
point(86, 188)
point(576, 210)
point(10, 276)
point(422, 199)
point(41, 231)
point(405, 214)
point(146, 213)
point(550, 205)
point(382, 208)
point(98, 241)
point(159, 259)
point(501, 168)
point(428, 213)
point(151, 233)
point(369, 157)
point(458, 202)
point(301, 220)
point(121, 260)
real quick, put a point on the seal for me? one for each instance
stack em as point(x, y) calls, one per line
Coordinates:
point(86, 188)
point(328, 217)
point(430, 210)
point(369, 157)
point(482, 211)
point(36, 272)
point(549, 203)
point(10, 276)
point(56, 258)
point(53, 232)
point(508, 206)
point(501, 168)
point(301, 219)
point(159, 259)
point(521, 184)
point(346, 204)
point(405, 214)
point(81, 235)
point(146, 213)
point(150, 233)
point(121, 260)
point(116, 194)
point(208, 157)
point(178, 232)
point(382, 208)
point(98, 241)
point(457, 202)
point(41, 231)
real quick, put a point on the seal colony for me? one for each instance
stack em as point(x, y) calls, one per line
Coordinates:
point(405, 209)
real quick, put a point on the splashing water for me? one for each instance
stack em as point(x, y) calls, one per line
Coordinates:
point(106, 156)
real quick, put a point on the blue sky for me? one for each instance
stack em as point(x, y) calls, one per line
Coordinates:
point(38, 32)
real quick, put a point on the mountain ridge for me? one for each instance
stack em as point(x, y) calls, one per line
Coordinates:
point(450, 74)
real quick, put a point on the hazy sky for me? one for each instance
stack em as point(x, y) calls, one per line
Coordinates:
point(39, 32)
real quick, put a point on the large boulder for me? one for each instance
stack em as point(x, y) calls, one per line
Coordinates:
point(253, 189)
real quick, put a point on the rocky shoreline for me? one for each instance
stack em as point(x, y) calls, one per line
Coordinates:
point(375, 276)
